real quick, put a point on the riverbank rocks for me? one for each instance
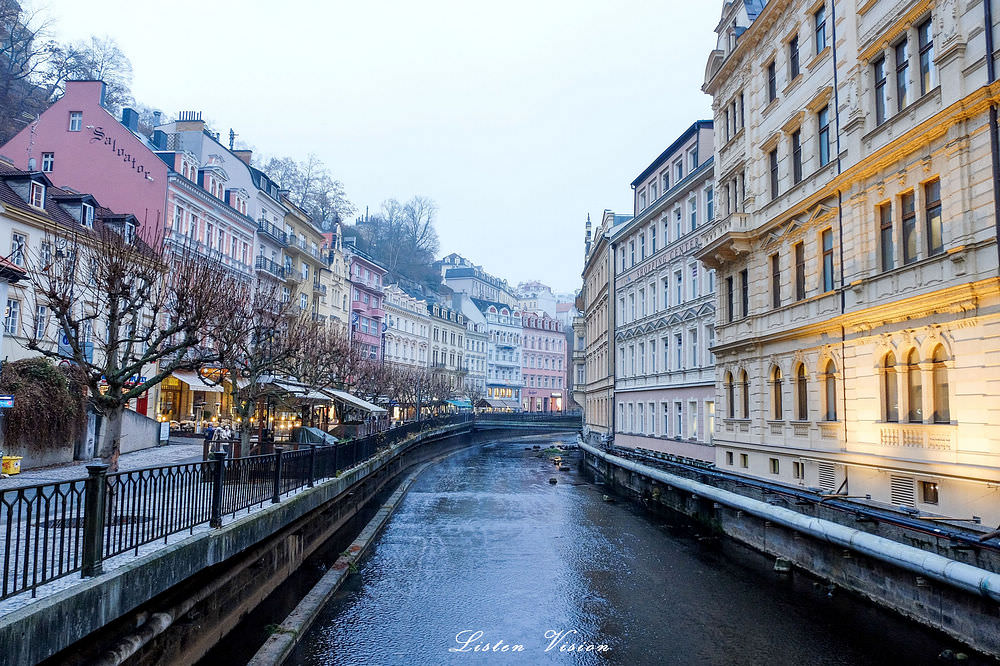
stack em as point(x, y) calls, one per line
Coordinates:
point(553, 480)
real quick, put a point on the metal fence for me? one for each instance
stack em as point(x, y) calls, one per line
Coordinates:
point(56, 529)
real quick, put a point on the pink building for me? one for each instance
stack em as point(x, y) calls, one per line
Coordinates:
point(77, 143)
point(543, 364)
point(367, 313)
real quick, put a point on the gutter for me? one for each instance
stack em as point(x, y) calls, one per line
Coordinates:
point(994, 140)
point(956, 574)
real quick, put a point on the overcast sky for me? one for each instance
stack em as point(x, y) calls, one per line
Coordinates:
point(518, 119)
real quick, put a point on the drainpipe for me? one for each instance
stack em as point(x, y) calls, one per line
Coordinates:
point(994, 141)
point(840, 225)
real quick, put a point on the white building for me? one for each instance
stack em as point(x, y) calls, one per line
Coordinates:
point(408, 328)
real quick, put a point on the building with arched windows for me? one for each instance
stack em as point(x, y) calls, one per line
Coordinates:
point(543, 363)
point(856, 251)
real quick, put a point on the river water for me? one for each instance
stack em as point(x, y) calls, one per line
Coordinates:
point(484, 543)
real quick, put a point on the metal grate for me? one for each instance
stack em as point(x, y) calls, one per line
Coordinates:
point(827, 476)
point(902, 491)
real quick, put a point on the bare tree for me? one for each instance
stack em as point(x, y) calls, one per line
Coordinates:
point(98, 59)
point(125, 314)
point(25, 55)
point(311, 187)
point(474, 392)
point(258, 343)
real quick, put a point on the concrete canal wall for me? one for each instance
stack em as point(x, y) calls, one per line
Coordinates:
point(953, 589)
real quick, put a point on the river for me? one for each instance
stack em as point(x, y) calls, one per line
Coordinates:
point(484, 543)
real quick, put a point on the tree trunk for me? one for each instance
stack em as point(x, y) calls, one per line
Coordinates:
point(111, 438)
point(245, 436)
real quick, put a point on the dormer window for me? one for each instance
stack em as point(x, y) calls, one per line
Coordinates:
point(88, 216)
point(37, 198)
point(129, 231)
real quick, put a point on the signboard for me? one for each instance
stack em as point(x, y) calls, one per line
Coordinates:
point(66, 351)
point(164, 431)
point(6, 401)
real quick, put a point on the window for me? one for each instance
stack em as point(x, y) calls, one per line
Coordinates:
point(914, 389)
point(772, 160)
point(642, 247)
point(631, 248)
point(902, 75)
point(909, 234)
point(730, 315)
point(830, 391)
point(777, 413)
point(13, 316)
point(679, 346)
point(17, 246)
point(694, 281)
point(679, 282)
point(801, 394)
point(745, 289)
point(48, 162)
point(678, 171)
point(744, 461)
point(800, 271)
point(796, 156)
point(693, 344)
point(665, 178)
point(885, 236)
point(303, 302)
point(652, 239)
point(775, 466)
point(928, 492)
point(798, 470)
point(772, 81)
point(745, 394)
point(823, 117)
point(878, 68)
point(775, 281)
point(925, 45)
point(827, 239)
point(37, 195)
point(729, 458)
point(642, 199)
point(693, 209)
point(75, 121)
point(679, 422)
point(793, 57)
point(652, 192)
point(693, 420)
point(819, 22)
point(932, 216)
point(41, 321)
point(890, 390)
point(709, 204)
point(730, 396)
point(939, 372)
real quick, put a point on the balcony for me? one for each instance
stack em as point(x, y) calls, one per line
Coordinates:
point(925, 441)
point(292, 276)
point(294, 241)
point(319, 288)
point(266, 265)
point(725, 241)
point(273, 232)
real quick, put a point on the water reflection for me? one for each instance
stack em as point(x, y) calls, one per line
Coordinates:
point(484, 543)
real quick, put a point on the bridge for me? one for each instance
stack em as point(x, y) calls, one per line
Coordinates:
point(82, 559)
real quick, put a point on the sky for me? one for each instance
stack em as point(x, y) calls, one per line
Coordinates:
point(518, 118)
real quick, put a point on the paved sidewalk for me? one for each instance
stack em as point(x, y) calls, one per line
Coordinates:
point(158, 455)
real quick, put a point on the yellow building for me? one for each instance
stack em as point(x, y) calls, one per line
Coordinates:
point(304, 263)
point(858, 300)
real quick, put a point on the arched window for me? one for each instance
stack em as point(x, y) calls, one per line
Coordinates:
point(942, 413)
point(830, 391)
point(801, 394)
point(914, 389)
point(745, 393)
point(730, 396)
point(776, 387)
point(890, 389)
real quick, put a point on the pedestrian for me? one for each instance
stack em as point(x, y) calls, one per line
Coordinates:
point(209, 433)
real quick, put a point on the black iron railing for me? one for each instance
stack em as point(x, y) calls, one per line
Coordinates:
point(56, 529)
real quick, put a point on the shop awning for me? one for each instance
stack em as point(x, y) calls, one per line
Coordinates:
point(355, 401)
point(502, 404)
point(194, 380)
point(461, 404)
point(302, 392)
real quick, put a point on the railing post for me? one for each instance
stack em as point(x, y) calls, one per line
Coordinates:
point(218, 478)
point(276, 497)
point(312, 465)
point(94, 507)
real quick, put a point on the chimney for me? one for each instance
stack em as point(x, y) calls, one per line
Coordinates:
point(244, 155)
point(159, 139)
point(130, 119)
point(157, 118)
point(190, 121)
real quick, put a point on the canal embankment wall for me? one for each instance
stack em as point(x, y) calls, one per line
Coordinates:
point(173, 604)
point(952, 587)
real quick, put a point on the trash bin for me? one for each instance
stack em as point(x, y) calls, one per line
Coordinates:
point(12, 464)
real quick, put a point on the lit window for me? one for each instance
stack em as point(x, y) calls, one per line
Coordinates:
point(928, 492)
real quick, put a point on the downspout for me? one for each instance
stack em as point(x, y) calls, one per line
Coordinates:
point(840, 229)
point(994, 140)
point(612, 317)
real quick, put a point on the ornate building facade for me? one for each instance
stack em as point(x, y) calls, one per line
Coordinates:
point(543, 363)
point(664, 304)
point(857, 250)
point(407, 328)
